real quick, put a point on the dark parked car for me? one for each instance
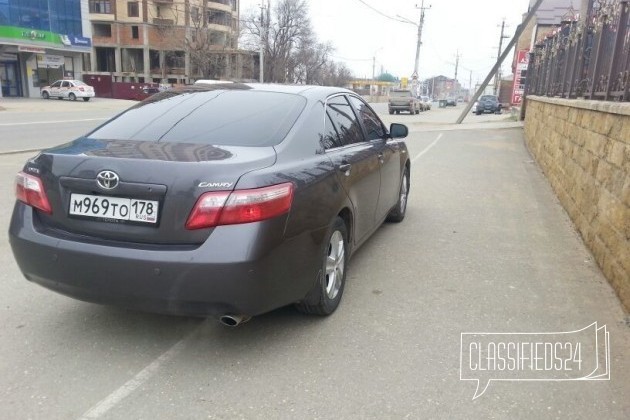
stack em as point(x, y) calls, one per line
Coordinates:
point(488, 103)
point(222, 200)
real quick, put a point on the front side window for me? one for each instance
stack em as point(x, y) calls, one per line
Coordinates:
point(344, 120)
point(133, 10)
point(56, 84)
point(371, 122)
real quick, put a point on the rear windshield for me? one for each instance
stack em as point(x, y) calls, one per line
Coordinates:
point(217, 117)
point(400, 93)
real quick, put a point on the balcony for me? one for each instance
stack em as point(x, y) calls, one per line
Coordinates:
point(223, 5)
point(163, 22)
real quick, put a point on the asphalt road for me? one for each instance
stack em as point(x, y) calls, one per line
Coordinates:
point(485, 247)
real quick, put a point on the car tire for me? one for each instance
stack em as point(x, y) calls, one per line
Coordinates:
point(397, 112)
point(397, 214)
point(45, 95)
point(86, 99)
point(326, 295)
point(417, 111)
point(391, 111)
point(72, 97)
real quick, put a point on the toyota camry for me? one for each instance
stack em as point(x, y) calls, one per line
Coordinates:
point(226, 200)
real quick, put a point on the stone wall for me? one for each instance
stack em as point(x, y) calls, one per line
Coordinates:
point(584, 149)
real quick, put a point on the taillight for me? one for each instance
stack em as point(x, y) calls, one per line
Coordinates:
point(240, 206)
point(30, 190)
point(81, 89)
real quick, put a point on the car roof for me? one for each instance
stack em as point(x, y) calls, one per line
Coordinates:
point(307, 91)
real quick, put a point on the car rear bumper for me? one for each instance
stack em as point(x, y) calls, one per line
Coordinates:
point(400, 107)
point(225, 275)
point(80, 94)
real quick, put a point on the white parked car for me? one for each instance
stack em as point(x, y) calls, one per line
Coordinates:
point(70, 89)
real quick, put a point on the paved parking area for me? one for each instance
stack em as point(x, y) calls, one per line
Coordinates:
point(485, 247)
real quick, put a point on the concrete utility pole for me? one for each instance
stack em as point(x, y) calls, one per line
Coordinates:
point(420, 25)
point(517, 35)
point(497, 79)
point(262, 43)
point(456, 64)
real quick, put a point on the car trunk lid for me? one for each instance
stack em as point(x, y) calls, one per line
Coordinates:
point(158, 183)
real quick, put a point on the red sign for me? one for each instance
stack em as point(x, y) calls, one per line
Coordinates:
point(518, 90)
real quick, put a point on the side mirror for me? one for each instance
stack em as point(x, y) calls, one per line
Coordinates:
point(398, 131)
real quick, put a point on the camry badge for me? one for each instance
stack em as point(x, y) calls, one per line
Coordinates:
point(107, 180)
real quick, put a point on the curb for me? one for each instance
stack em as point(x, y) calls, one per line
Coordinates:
point(17, 152)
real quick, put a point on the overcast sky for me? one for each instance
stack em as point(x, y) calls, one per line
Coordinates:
point(359, 33)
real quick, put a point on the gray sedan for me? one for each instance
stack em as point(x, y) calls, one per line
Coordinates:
point(221, 200)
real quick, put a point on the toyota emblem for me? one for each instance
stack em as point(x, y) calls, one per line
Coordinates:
point(107, 180)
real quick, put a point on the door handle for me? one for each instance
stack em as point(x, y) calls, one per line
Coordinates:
point(345, 168)
point(380, 157)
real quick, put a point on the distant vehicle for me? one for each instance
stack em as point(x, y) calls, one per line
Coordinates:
point(69, 89)
point(488, 103)
point(146, 91)
point(211, 82)
point(426, 102)
point(474, 107)
point(403, 100)
point(451, 102)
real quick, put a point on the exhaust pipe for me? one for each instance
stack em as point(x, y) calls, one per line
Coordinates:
point(233, 320)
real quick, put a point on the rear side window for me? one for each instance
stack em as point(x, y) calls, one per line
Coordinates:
point(330, 138)
point(217, 117)
point(400, 93)
point(344, 120)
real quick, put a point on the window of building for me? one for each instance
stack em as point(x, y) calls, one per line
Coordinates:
point(133, 9)
point(102, 30)
point(100, 6)
point(134, 32)
point(194, 15)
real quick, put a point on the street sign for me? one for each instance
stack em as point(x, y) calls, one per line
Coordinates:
point(518, 89)
point(414, 76)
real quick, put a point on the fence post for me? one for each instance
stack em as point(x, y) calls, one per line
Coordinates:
point(576, 60)
point(623, 21)
point(597, 55)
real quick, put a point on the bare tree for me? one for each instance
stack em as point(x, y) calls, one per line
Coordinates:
point(207, 56)
point(292, 52)
point(169, 33)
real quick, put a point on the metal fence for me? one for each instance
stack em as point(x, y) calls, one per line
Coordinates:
point(585, 58)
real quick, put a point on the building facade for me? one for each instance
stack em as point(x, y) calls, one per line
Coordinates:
point(41, 41)
point(166, 41)
point(442, 87)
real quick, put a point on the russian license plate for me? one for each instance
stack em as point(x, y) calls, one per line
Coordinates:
point(117, 208)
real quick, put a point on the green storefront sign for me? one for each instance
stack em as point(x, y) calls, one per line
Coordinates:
point(32, 35)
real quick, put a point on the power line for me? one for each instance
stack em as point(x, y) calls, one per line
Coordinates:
point(379, 12)
point(350, 59)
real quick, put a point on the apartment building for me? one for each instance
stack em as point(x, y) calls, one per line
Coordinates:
point(41, 41)
point(167, 41)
